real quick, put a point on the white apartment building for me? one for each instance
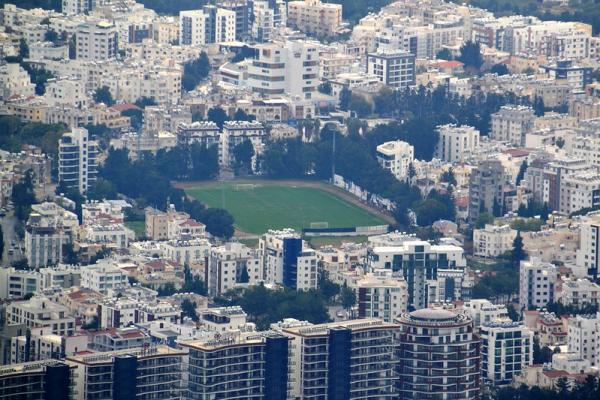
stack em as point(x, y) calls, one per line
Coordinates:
point(237, 132)
point(209, 25)
point(511, 124)
point(507, 349)
point(103, 277)
point(536, 283)
point(232, 265)
point(290, 67)
point(394, 68)
point(483, 311)
point(96, 41)
point(48, 229)
point(77, 7)
point(396, 157)
point(381, 295)
point(121, 312)
point(42, 344)
point(579, 292)
point(314, 17)
point(116, 234)
point(15, 81)
point(419, 263)
point(69, 91)
point(160, 82)
point(583, 339)
point(16, 283)
point(224, 319)
point(186, 251)
point(40, 312)
point(493, 240)
point(268, 17)
point(586, 148)
point(77, 159)
point(205, 133)
point(579, 191)
point(287, 260)
point(456, 143)
point(588, 253)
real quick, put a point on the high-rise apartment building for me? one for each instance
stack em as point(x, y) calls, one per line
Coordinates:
point(77, 160)
point(38, 380)
point(145, 373)
point(437, 356)
point(419, 263)
point(456, 143)
point(290, 67)
point(243, 365)
point(287, 260)
point(507, 349)
point(536, 283)
point(340, 360)
point(512, 123)
point(96, 41)
point(486, 189)
point(232, 265)
point(267, 17)
point(582, 337)
point(209, 25)
point(395, 68)
point(588, 256)
point(243, 13)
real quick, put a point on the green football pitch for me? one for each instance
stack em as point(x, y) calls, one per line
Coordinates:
point(257, 208)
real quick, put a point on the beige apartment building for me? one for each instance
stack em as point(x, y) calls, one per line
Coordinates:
point(314, 17)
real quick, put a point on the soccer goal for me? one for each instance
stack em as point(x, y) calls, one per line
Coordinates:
point(319, 225)
point(244, 186)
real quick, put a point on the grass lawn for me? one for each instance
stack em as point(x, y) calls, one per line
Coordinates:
point(260, 207)
point(138, 227)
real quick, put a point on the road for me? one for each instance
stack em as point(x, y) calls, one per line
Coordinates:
point(8, 223)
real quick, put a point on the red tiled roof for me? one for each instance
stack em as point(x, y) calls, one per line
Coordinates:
point(449, 64)
point(517, 152)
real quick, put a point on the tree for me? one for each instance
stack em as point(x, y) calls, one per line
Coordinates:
point(348, 297)
point(384, 101)
point(102, 189)
point(244, 277)
point(512, 313)
point(560, 142)
point(538, 106)
point(470, 55)
point(103, 95)
point(51, 36)
point(327, 287)
point(359, 105)
point(23, 196)
point(218, 222)
point(188, 308)
point(23, 49)
point(195, 71)
point(448, 177)
point(345, 98)
point(218, 116)
point(499, 69)
point(444, 54)
point(243, 153)
point(73, 48)
point(136, 117)
point(168, 289)
point(240, 115)
point(483, 220)
point(518, 253)
point(144, 102)
point(324, 88)
point(521, 173)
